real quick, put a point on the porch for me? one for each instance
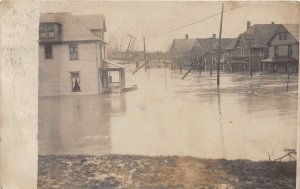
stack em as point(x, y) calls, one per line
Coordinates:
point(280, 64)
point(112, 77)
point(236, 64)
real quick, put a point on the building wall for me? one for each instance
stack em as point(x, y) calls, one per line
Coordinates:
point(283, 46)
point(210, 61)
point(54, 74)
point(257, 54)
point(283, 50)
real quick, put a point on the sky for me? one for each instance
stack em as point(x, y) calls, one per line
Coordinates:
point(144, 18)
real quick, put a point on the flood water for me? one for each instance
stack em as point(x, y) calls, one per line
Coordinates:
point(244, 119)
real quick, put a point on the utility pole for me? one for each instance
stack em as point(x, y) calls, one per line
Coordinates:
point(145, 54)
point(219, 51)
point(127, 51)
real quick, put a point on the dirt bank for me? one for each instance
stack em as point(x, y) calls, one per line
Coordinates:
point(122, 171)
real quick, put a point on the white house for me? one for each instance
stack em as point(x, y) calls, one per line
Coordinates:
point(72, 57)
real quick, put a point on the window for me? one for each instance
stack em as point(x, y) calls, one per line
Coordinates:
point(73, 52)
point(213, 61)
point(43, 31)
point(290, 50)
point(285, 36)
point(47, 31)
point(48, 51)
point(50, 30)
point(275, 51)
point(262, 54)
point(75, 81)
point(243, 52)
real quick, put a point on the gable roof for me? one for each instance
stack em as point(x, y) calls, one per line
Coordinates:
point(260, 34)
point(209, 44)
point(293, 29)
point(93, 22)
point(183, 45)
point(72, 28)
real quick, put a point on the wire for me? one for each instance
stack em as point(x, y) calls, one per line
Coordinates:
point(181, 27)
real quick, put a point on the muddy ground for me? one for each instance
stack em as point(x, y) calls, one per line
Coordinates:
point(122, 171)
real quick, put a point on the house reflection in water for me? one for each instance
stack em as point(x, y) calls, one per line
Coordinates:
point(77, 124)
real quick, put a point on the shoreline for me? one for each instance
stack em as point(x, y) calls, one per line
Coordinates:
point(135, 171)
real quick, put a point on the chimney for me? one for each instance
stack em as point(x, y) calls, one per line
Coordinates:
point(214, 36)
point(248, 24)
point(186, 36)
point(273, 22)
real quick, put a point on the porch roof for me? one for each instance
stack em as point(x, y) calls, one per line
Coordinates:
point(110, 66)
point(280, 59)
point(236, 60)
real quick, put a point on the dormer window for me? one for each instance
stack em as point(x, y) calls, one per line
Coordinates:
point(50, 30)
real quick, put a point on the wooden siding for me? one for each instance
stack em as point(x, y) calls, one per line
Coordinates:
point(54, 74)
point(283, 46)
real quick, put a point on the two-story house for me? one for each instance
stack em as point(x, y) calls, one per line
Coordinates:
point(283, 50)
point(72, 58)
point(251, 47)
point(210, 51)
point(184, 52)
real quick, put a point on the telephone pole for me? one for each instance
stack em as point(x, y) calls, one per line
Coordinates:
point(145, 53)
point(219, 50)
point(128, 47)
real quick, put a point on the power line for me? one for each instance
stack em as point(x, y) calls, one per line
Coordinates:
point(196, 22)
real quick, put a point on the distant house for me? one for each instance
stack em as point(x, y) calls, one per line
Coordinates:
point(72, 57)
point(184, 52)
point(251, 46)
point(283, 50)
point(210, 50)
point(203, 52)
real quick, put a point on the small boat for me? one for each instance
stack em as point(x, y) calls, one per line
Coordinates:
point(128, 89)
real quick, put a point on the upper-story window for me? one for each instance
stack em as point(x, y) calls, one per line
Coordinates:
point(73, 51)
point(275, 51)
point(243, 52)
point(290, 50)
point(262, 53)
point(48, 51)
point(283, 36)
point(50, 30)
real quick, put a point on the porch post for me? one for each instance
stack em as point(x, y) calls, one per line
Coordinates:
point(122, 77)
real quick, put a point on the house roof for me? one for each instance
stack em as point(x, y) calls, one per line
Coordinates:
point(93, 22)
point(209, 44)
point(260, 34)
point(72, 28)
point(280, 59)
point(293, 29)
point(183, 45)
point(237, 59)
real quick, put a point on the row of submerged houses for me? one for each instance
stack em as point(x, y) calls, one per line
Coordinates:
point(72, 56)
point(266, 47)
